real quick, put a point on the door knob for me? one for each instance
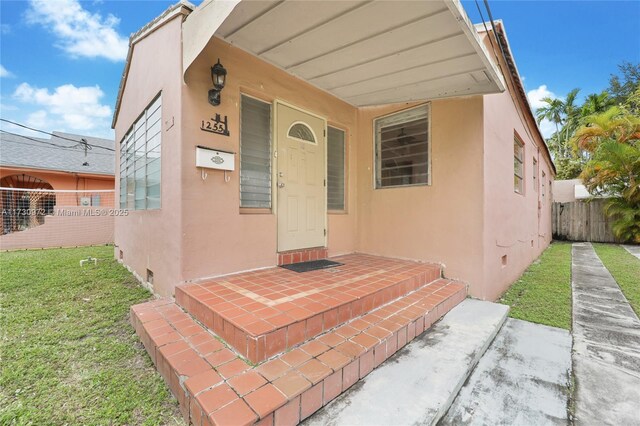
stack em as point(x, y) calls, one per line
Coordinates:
point(280, 184)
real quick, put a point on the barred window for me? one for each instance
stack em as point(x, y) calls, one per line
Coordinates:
point(402, 148)
point(140, 166)
point(255, 153)
point(335, 168)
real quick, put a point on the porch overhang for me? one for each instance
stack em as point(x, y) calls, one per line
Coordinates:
point(363, 52)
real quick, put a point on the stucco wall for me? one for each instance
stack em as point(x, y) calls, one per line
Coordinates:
point(218, 237)
point(63, 231)
point(437, 223)
point(59, 230)
point(150, 239)
point(517, 226)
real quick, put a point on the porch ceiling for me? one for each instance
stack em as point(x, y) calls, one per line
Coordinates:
point(363, 52)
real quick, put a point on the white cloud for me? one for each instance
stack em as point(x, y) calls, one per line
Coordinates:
point(38, 119)
point(79, 32)
point(5, 28)
point(6, 107)
point(535, 97)
point(66, 108)
point(4, 72)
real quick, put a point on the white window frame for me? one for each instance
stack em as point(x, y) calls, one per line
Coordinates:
point(407, 111)
point(129, 141)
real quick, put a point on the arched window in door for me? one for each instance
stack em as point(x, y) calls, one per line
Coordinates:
point(302, 132)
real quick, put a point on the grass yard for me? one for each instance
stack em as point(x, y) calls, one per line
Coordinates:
point(543, 293)
point(68, 353)
point(625, 269)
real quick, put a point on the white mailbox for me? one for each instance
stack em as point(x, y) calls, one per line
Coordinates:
point(209, 158)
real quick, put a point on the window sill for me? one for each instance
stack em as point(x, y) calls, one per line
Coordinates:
point(254, 210)
point(337, 212)
point(412, 185)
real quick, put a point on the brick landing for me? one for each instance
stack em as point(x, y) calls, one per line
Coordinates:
point(216, 387)
point(262, 313)
point(304, 255)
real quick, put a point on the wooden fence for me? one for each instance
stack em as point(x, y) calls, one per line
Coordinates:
point(582, 221)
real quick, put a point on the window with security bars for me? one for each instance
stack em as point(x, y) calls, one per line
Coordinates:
point(402, 148)
point(518, 165)
point(335, 168)
point(140, 160)
point(255, 153)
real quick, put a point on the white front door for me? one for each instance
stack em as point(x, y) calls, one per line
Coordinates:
point(300, 179)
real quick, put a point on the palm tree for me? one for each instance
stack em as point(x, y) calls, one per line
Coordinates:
point(612, 139)
point(552, 111)
point(562, 113)
point(596, 103)
point(572, 115)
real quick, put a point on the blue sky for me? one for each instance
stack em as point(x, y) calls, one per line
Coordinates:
point(62, 59)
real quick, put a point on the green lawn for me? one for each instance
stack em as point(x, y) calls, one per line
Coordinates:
point(68, 354)
point(543, 293)
point(625, 269)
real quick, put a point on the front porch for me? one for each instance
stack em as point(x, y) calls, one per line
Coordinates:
point(265, 312)
point(312, 335)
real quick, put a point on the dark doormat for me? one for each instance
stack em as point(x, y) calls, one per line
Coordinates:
point(312, 265)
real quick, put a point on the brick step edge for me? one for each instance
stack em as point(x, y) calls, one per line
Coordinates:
point(259, 347)
point(215, 387)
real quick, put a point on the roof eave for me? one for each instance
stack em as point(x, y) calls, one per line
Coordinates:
point(472, 35)
point(181, 8)
point(50, 170)
point(515, 77)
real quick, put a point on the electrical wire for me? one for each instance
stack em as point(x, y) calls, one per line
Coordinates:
point(484, 24)
point(24, 143)
point(40, 141)
point(493, 25)
point(56, 136)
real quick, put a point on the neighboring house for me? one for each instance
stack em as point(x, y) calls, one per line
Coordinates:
point(569, 190)
point(390, 128)
point(40, 176)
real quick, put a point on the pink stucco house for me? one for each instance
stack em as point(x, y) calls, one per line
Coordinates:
point(462, 210)
point(394, 137)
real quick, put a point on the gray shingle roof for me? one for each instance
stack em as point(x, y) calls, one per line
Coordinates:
point(36, 153)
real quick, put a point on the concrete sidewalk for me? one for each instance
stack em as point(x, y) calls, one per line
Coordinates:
point(634, 250)
point(418, 384)
point(522, 379)
point(606, 345)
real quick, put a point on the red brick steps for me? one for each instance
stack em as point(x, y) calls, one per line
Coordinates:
point(262, 313)
point(216, 387)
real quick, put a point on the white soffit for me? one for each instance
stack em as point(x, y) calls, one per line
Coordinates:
point(363, 52)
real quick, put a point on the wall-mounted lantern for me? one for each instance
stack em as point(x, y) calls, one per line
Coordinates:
point(218, 77)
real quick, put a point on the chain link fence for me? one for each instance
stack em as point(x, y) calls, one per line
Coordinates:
point(43, 218)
